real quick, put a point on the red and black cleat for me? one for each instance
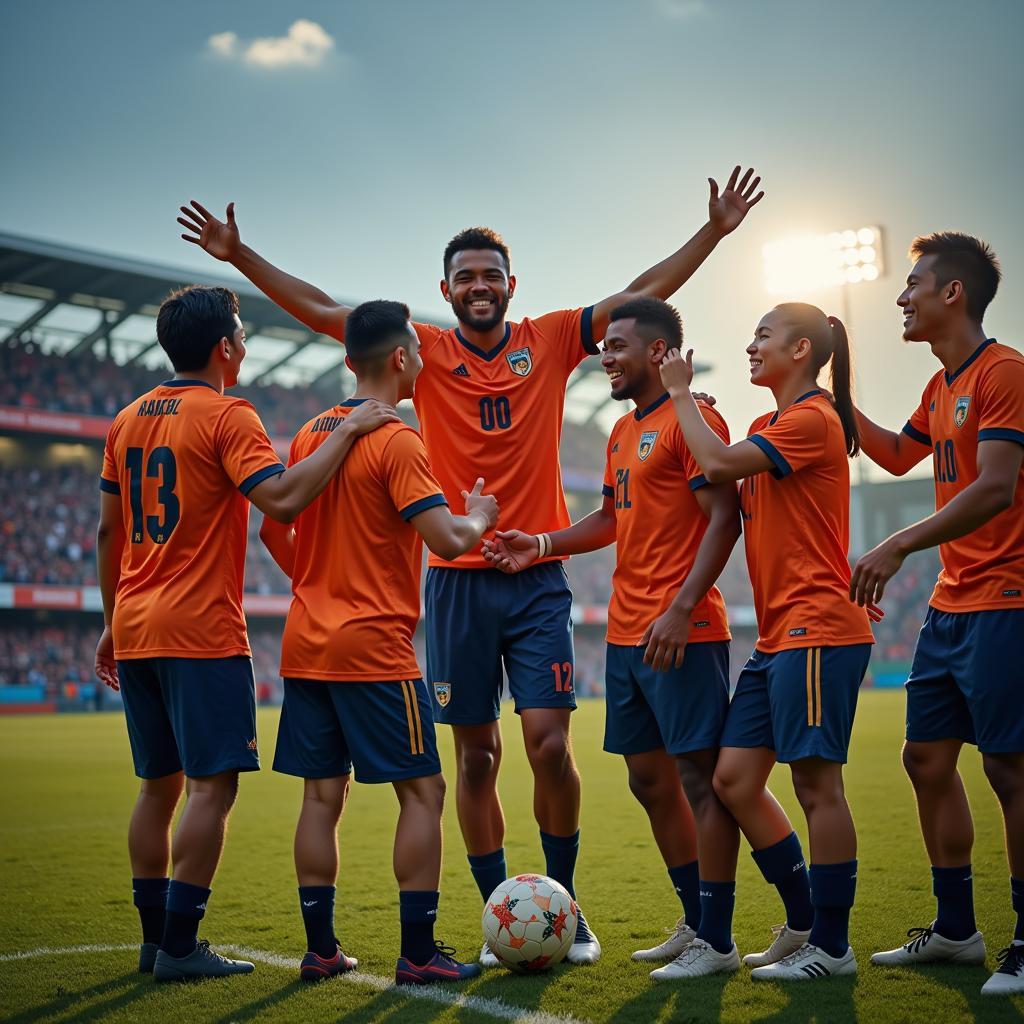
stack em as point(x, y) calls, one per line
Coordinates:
point(316, 968)
point(440, 967)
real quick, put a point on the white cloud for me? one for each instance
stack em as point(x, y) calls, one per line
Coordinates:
point(305, 45)
point(682, 10)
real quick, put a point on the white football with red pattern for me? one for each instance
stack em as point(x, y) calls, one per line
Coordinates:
point(530, 922)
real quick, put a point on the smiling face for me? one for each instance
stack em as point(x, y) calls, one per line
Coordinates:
point(479, 288)
point(630, 359)
point(775, 355)
point(925, 303)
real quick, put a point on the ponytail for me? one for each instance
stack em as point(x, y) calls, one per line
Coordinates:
point(841, 385)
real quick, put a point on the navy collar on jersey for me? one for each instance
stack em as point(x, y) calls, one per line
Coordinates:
point(494, 353)
point(181, 382)
point(970, 359)
point(639, 414)
point(350, 402)
point(802, 398)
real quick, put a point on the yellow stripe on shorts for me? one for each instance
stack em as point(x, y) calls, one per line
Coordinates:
point(817, 683)
point(412, 713)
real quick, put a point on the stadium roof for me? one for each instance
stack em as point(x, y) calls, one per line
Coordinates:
point(67, 299)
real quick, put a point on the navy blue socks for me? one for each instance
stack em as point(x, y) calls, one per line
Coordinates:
point(954, 892)
point(186, 905)
point(686, 880)
point(560, 854)
point(150, 898)
point(489, 870)
point(317, 904)
point(1017, 896)
point(417, 910)
point(782, 865)
point(833, 887)
point(717, 900)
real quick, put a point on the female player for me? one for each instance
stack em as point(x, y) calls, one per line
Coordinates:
point(796, 696)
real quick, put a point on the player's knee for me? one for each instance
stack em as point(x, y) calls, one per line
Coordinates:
point(697, 785)
point(645, 787)
point(549, 753)
point(925, 767)
point(731, 787)
point(1005, 776)
point(815, 789)
point(478, 765)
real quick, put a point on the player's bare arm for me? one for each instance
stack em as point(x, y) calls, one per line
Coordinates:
point(110, 541)
point(279, 540)
point(284, 496)
point(221, 239)
point(512, 551)
point(667, 636)
point(450, 536)
point(998, 468)
point(726, 211)
point(894, 451)
point(719, 462)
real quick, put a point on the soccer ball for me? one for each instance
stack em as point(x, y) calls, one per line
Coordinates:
point(530, 922)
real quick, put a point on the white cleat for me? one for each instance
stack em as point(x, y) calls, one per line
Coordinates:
point(585, 948)
point(679, 937)
point(697, 960)
point(786, 942)
point(808, 963)
point(487, 958)
point(927, 946)
point(1008, 979)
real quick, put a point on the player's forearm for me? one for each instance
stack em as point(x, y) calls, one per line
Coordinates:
point(668, 276)
point(109, 549)
point(279, 540)
point(592, 532)
point(304, 301)
point(972, 508)
point(894, 452)
point(715, 548)
point(300, 484)
point(464, 533)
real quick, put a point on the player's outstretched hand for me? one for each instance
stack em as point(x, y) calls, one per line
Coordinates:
point(219, 238)
point(371, 414)
point(676, 372)
point(512, 550)
point(726, 211)
point(666, 639)
point(105, 666)
point(873, 571)
point(477, 501)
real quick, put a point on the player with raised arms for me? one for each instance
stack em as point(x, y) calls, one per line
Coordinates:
point(667, 672)
point(796, 696)
point(179, 465)
point(490, 403)
point(967, 678)
point(354, 694)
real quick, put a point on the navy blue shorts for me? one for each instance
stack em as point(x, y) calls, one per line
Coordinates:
point(383, 729)
point(196, 715)
point(680, 710)
point(967, 680)
point(479, 618)
point(799, 703)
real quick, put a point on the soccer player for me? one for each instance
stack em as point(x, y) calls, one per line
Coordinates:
point(667, 672)
point(354, 695)
point(490, 404)
point(179, 465)
point(967, 678)
point(796, 696)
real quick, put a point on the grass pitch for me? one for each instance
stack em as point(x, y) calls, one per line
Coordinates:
point(68, 789)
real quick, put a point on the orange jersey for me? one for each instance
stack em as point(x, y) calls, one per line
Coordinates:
point(183, 457)
point(356, 579)
point(982, 401)
point(498, 415)
point(658, 524)
point(796, 527)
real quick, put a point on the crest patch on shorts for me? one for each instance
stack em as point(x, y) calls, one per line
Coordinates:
point(443, 693)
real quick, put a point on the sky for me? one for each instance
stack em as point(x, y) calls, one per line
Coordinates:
point(357, 138)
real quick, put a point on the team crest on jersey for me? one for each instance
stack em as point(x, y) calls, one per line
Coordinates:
point(443, 693)
point(646, 446)
point(963, 403)
point(520, 362)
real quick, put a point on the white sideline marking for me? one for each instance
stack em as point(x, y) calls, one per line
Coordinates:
point(496, 1008)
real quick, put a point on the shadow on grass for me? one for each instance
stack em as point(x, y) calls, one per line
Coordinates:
point(135, 986)
point(967, 982)
point(258, 1006)
point(697, 999)
point(828, 1000)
